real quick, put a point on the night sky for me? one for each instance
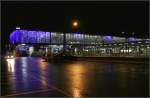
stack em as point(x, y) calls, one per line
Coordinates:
point(107, 18)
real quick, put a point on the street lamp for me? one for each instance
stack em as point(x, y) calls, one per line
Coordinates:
point(75, 24)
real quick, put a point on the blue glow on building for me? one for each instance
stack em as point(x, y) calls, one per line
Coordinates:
point(77, 43)
point(107, 39)
point(131, 39)
point(41, 37)
point(24, 36)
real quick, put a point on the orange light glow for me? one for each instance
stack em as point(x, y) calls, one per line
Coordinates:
point(75, 24)
point(76, 82)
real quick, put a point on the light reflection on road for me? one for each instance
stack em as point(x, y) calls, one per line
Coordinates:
point(11, 65)
point(78, 78)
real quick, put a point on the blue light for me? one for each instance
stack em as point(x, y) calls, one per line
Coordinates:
point(107, 38)
point(131, 39)
point(24, 36)
point(78, 36)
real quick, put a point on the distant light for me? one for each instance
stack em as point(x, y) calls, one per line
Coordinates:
point(75, 49)
point(139, 42)
point(10, 57)
point(23, 44)
point(87, 50)
point(131, 39)
point(75, 23)
point(132, 33)
point(18, 28)
point(31, 49)
point(122, 32)
point(126, 50)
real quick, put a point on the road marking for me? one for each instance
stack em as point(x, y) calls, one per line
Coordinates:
point(29, 92)
point(58, 89)
point(6, 83)
point(36, 91)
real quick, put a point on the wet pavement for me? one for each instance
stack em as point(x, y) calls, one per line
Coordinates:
point(31, 76)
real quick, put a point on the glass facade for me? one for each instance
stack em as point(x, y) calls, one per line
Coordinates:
point(79, 44)
point(56, 38)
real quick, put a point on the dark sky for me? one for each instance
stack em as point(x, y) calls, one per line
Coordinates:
point(106, 17)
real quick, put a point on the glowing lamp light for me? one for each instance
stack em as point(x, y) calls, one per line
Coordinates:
point(75, 23)
point(18, 28)
point(122, 32)
point(23, 44)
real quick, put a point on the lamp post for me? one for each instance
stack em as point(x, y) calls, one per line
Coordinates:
point(75, 23)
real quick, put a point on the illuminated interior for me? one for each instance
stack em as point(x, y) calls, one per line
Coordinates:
point(79, 44)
